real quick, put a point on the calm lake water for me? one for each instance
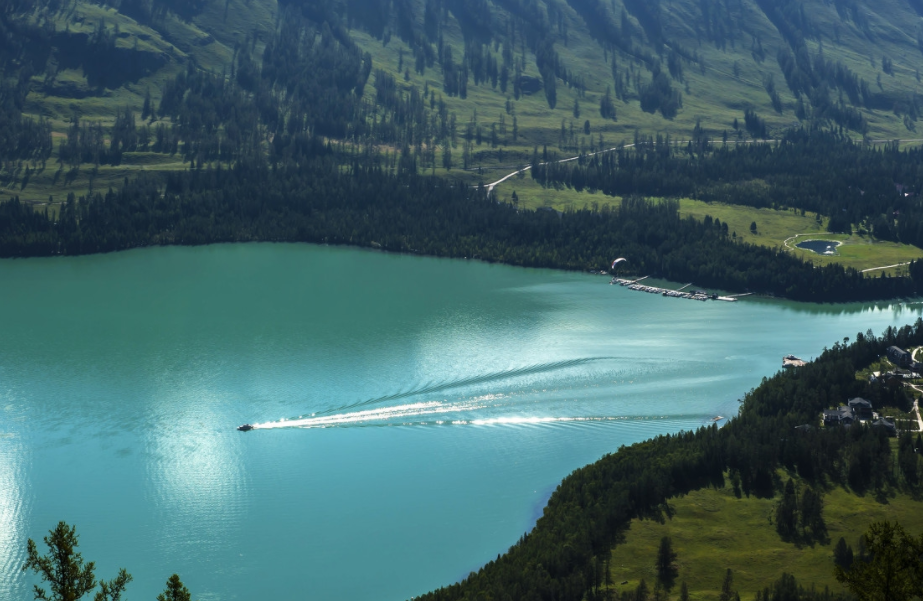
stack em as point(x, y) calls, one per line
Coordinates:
point(821, 247)
point(446, 400)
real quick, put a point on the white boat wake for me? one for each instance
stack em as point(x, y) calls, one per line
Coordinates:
point(395, 413)
point(435, 413)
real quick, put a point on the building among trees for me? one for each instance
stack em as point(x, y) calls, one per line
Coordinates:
point(899, 356)
point(857, 409)
point(861, 408)
point(888, 426)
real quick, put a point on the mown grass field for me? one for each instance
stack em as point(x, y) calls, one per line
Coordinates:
point(712, 530)
point(778, 229)
point(862, 252)
point(774, 227)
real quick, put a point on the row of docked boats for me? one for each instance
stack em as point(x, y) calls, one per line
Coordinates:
point(699, 295)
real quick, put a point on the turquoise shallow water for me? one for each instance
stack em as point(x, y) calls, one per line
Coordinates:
point(415, 414)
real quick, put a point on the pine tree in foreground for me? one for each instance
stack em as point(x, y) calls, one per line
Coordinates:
point(63, 568)
point(175, 591)
point(666, 562)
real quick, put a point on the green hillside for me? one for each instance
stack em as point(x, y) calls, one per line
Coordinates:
point(95, 94)
point(849, 63)
point(712, 530)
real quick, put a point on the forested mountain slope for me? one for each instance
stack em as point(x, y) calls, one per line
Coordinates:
point(95, 93)
point(550, 65)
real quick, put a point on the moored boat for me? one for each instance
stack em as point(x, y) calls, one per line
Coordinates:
point(792, 361)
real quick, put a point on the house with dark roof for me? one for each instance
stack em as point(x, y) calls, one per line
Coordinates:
point(899, 356)
point(846, 416)
point(831, 417)
point(898, 374)
point(841, 416)
point(888, 426)
point(861, 408)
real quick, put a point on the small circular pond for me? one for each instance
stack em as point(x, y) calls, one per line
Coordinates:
point(821, 247)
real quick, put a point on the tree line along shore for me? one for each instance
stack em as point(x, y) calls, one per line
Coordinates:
point(322, 192)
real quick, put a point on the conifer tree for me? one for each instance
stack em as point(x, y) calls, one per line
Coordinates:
point(811, 512)
point(69, 577)
point(641, 593)
point(842, 554)
point(113, 589)
point(666, 561)
point(786, 511)
point(660, 593)
point(175, 591)
point(727, 587)
point(893, 569)
point(63, 568)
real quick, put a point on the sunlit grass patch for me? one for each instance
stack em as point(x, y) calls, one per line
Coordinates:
point(712, 531)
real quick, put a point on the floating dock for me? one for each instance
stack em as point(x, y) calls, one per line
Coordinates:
point(699, 295)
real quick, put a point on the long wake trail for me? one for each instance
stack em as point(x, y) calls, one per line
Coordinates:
point(537, 368)
point(437, 414)
point(440, 413)
point(390, 414)
point(444, 412)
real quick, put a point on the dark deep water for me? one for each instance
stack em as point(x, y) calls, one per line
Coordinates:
point(821, 247)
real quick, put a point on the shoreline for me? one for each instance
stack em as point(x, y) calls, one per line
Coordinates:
point(656, 277)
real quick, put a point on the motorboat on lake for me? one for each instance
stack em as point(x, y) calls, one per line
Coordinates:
point(245, 428)
point(792, 361)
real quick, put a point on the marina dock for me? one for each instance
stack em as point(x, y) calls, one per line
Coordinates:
point(699, 295)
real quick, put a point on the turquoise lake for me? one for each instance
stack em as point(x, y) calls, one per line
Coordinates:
point(415, 413)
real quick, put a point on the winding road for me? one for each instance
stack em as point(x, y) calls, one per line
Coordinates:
point(492, 185)
point(885, 267)
point(916, 409)
point(916, 402)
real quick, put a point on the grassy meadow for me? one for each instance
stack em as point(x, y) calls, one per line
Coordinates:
point(775, 228)
point(862, 252)
point(712, 530)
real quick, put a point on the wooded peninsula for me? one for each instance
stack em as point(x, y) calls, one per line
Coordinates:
point(567, 554)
